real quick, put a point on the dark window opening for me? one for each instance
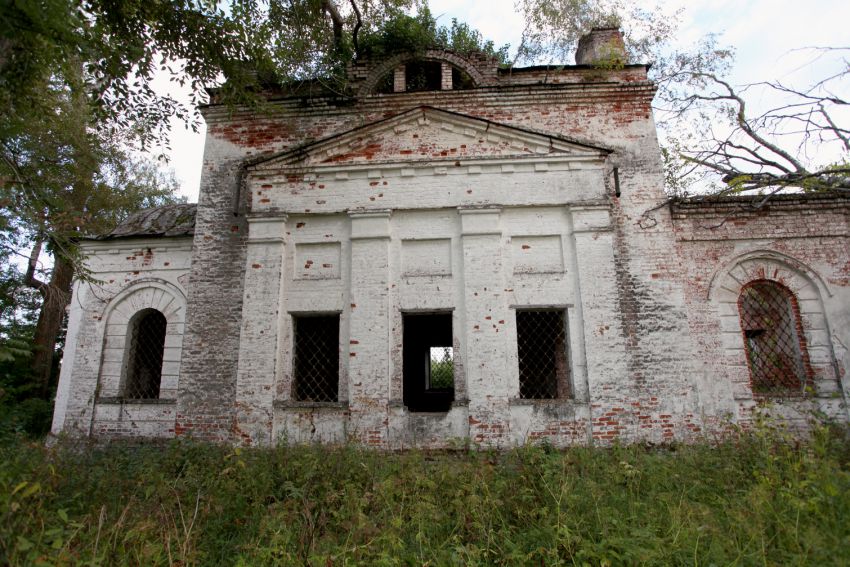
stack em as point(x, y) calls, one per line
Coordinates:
point(315, 365)
point(428, 362)
point(423, 76)
point(387, 84)
point(461, 80)
point(544, 371)
point(144, 361)
point(773, 338)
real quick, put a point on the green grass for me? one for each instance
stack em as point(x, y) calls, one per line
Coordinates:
point(757, 500)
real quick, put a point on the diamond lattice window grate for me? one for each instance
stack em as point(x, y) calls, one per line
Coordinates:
point(772, 338)
point(316, 363)
point(541, 348)
point(441, 371)
point(144, 362)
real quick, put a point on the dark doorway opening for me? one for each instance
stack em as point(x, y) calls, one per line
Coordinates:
point(428, 362)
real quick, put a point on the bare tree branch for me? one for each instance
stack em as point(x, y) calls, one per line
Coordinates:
point(753, 154)
point(358, 24)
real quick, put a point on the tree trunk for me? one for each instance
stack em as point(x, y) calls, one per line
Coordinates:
point(57, 296)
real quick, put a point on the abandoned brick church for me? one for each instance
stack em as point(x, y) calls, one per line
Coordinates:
point(453, 252)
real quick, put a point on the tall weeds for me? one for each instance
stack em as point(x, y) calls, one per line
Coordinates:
point(762, 499)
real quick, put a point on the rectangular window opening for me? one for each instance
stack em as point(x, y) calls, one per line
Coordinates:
point(544, 370)
point(428, 362)
point(315, 365)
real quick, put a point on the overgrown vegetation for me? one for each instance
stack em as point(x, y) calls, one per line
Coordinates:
point(404, 33)
point(759, 499)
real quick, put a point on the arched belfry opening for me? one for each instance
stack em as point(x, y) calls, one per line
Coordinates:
point(431, 70)
point(420, 75)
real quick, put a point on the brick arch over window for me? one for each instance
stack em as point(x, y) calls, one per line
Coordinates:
point(123, 315)
point(803, 289)
point(458, 61)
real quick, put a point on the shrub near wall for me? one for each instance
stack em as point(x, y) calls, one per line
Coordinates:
point(760, 499)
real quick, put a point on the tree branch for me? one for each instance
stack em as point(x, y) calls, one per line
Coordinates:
point(329, 8)
point(357, 26)
point(29, 278)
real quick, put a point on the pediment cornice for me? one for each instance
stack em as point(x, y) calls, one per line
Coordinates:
point(429, 135)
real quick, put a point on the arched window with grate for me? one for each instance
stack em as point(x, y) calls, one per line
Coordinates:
point(146, 341)
point(773, 339)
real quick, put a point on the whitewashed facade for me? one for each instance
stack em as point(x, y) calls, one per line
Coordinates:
point(386, 224)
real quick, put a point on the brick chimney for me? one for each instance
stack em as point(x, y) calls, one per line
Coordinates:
point(602, 46)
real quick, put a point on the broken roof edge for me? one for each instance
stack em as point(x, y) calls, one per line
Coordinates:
point(317, 88)
point(755, 202)
point(173, 220)
point(570, 67)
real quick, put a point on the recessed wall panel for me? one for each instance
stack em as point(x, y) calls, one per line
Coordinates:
point(537, 254)
point(317, 261)
point(426, 257)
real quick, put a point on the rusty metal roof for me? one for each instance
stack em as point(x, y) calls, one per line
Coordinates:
point(168, 220)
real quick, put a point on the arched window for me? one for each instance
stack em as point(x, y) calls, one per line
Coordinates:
point(773, 338)
point(146, 343)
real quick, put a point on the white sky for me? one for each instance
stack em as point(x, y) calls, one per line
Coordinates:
point(766, 34)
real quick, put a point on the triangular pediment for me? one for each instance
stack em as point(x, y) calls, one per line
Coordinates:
point(428, 134)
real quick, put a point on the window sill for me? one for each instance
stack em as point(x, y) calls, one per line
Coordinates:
point(137, 401)
point(293, 404)
point(543, 402)
point(398, 404)
point(785, 396)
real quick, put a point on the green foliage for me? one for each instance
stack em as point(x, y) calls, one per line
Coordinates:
point(66, 171)
point(404, 33)
point(111, 50)
point(441, 374)
point(21, 409)
point(461, 38)
point(18, 312)
point(759, 499)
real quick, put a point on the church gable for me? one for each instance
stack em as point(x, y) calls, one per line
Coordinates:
point(429, 134)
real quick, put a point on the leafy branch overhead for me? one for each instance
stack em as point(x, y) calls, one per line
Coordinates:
point(65, 167)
